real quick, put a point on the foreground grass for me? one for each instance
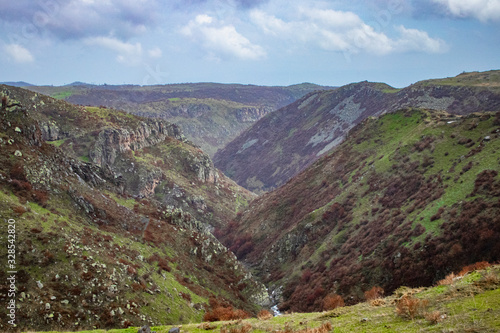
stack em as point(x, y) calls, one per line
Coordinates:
point(470, 303)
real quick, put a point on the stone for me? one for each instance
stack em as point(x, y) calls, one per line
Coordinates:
point(174, 330)
point(144, 329)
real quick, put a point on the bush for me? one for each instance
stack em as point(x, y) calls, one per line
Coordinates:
point(449, 279)
point(264, 315)
point(409, 307)
point(223, 312)
point(374, 293)
point(331, 302)
point(236, 329)
point(434, 317)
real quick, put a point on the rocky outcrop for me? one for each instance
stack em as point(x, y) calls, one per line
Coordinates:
point(112, 141)
point(51, 132)
point(252, 114)
point(204, 168)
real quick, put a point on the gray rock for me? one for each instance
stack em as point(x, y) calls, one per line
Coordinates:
point(144, 329)
point(174, 330)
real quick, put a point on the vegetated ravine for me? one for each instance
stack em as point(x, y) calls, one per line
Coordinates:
point(406, 199)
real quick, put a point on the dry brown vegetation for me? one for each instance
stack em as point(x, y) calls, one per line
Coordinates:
point(409, 307)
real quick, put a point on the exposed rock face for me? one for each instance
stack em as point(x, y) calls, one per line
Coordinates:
point(111, 141)
point(51, 132)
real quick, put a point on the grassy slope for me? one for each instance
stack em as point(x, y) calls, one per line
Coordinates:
point(392, 205)
point(470, 304)
point(104, 258)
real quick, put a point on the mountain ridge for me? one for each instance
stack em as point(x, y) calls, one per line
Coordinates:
point(210, 114)
point(283, 143)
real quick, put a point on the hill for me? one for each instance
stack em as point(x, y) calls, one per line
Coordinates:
point(468, 303)
point(404, 200)
point(283, 143)
point(210, 114)
point(110, 216)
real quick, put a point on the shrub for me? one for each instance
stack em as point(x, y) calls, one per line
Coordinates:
point(236, 329)
point(434, 317)
point(264, 315)
point(474, 267)
point(374, 293)
point(409, 307)
point(377, 302)
point(331, 302)
point(448, 279)
point(222, 312)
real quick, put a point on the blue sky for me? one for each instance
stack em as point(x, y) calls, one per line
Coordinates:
point(265, 42)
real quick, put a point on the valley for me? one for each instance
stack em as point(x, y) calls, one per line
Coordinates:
point(209, 114)
point(324, 195)
point(285, 142)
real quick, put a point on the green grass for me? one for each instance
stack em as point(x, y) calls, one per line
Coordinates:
point(467, 305)
point(57, 143)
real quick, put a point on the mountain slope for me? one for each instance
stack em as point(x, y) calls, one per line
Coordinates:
point(283, 143)
point(407, 198)
point(107, 233)
point(209, 114)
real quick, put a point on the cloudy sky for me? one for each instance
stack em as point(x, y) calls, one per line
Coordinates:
point(265, 42)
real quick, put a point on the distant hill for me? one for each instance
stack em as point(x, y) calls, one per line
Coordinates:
point(283, 143)
point(112, 215)
point(406, 199)
point(17, 84)
point(210, 114)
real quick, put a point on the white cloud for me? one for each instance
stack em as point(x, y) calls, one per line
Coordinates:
point(484, 10)
point(413, 39)
point(128, 53)
point(221, 40)
point(18, 53)
point(343, 32)
point(155, 52)
point(78, 19)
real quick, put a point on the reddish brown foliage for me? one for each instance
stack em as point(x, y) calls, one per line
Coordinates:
point(374, 293)
point(331, 302)
point(409, 307)
point(221, 312)
point(264, 315)
point(474, 267)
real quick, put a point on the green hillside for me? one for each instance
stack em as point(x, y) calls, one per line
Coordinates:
point(111, 214)
point(406, 199)
point(468, 304)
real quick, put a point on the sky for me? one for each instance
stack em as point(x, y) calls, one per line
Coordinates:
point(262, 42)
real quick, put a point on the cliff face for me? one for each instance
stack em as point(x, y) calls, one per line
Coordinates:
point(283, 143)
point(111, 141)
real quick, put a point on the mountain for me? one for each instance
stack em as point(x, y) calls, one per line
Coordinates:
point(283, 143)
point(17, 84)
point(110, 215)
point(210, 114)
point(406, 199)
